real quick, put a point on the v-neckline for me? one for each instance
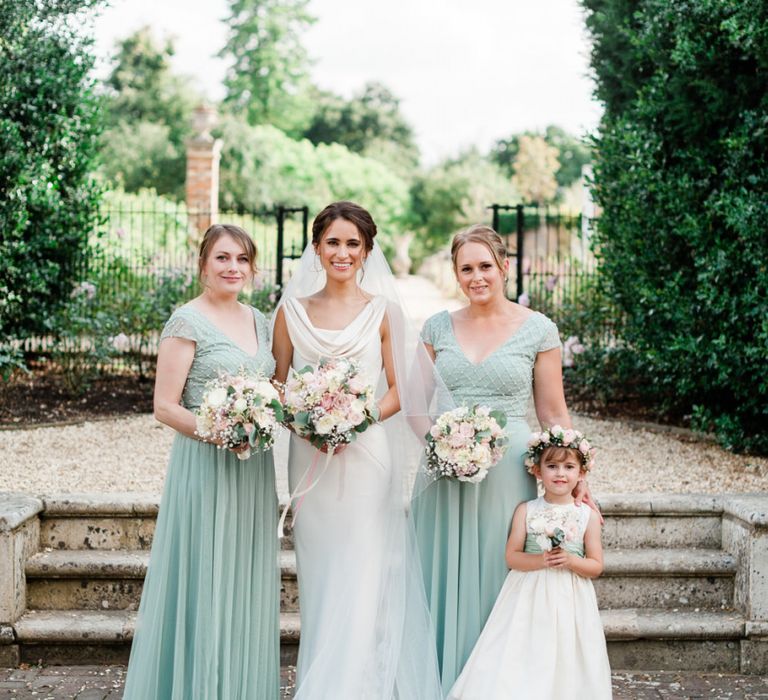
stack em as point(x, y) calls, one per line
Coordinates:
point(507, 340)
point(227, 338)
point(365, 308)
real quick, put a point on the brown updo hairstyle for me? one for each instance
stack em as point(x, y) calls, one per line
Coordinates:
point(351, 212)
point(216, 231)
point(479, 233)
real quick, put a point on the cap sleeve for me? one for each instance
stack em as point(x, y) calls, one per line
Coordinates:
point(180, 325)
point(429, 330)
point(262, 326)
point(550, 336)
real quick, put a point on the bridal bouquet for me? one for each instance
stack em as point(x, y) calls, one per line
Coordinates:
point(466, 442)
point(329, 405)
point(240, 409)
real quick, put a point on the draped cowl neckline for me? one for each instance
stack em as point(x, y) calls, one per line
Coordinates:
point(349, 341)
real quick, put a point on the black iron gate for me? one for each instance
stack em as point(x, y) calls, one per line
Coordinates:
point(293, 253)
point(518, 252)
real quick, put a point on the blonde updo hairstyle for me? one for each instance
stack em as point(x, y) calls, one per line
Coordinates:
point(213, 234)
point(479, 233)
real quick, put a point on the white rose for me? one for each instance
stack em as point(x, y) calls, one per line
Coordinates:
point(569, 436)
point(355, 418)
point(240, 405)
point(357, 406)
point(324, 425)
point(443, 451)
point(216, 397)
point(538, 525)
point(266, 390)
point(203, 425)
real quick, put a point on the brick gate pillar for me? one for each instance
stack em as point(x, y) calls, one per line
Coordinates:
point(202, 183)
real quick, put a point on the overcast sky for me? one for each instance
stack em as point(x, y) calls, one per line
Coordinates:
point(467, 72)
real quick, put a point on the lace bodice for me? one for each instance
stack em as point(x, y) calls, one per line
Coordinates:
point(542, 517)
point(504, 379)
point(215, 353)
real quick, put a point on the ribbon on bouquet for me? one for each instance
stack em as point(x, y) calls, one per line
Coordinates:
point(299, 493)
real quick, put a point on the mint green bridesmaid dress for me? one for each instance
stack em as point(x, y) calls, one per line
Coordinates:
point(462, 528)
point(208, 623)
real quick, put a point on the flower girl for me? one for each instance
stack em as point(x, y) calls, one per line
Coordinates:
point(544, 639)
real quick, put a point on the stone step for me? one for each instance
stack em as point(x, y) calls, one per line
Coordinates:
point(112, 580)
point(99, 521)
point(126, 521)
point(638, 639)
point(659, 520)
point(650, 640)
point(88, 637)
point(108, 521)
point(106, 580)
point(666, 578)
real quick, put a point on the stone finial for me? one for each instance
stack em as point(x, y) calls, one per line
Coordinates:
point(202, 182)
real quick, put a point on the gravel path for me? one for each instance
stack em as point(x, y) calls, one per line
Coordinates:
point(130, 454)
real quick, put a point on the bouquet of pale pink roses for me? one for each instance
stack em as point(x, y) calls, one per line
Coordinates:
point(238, 410)
point(329, 405)
point(466, 442)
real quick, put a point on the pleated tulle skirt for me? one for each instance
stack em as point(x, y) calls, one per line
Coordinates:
point(543, 641)
point(208, 623)
point(462, 529)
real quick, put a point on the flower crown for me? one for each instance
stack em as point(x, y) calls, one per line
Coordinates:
point(557, 436)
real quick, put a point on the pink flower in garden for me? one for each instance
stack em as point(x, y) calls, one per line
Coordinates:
point(551, 282)
point(121, 342)
point(120, 233)
point(86, 288)
point(524, 299)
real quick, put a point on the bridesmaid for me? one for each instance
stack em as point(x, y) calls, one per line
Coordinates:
point(208, 624)
point(497, 353)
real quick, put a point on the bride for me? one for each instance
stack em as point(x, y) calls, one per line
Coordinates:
point(365, 631)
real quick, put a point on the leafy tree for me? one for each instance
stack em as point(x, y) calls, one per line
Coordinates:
point(149, 113)
point(49, 129)
point(534, 168)
point(452, 195)
point(572, 153)
point(370, 124)
point(262, 166)
point(681, 174)
point(267, 81)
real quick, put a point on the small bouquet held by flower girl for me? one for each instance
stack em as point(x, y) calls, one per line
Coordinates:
point(465, 443)
point(330, 404)
point(239, 410)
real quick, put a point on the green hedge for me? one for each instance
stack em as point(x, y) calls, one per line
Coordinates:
point(49, 126)
point(681, 174)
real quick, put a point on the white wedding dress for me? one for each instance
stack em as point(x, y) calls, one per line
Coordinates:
point(365, 631)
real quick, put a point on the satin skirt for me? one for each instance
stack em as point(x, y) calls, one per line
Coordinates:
point(543, 641)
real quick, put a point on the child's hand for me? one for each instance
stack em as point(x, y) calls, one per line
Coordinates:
point(556, 558)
